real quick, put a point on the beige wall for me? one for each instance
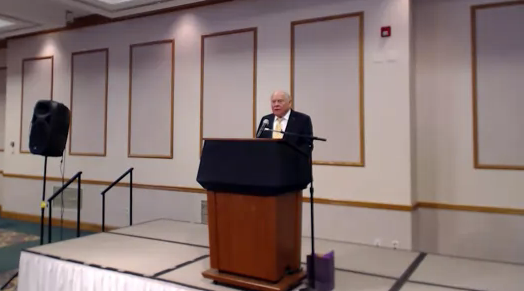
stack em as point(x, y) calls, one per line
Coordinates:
point(445, 166)
point(417, 118)
point(445, 171)
point(384, 118)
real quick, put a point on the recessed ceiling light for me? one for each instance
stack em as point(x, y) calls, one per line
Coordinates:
point(5, 23)
point(115, 2)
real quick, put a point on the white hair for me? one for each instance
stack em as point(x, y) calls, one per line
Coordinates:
point(286, 94)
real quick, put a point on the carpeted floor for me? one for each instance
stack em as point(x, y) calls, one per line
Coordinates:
point(4, 277)
point(10, 237)
point(18, 235)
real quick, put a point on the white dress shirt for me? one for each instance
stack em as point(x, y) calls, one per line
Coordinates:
point(284, 121)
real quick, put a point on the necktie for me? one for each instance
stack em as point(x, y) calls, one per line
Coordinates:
point(278, 127)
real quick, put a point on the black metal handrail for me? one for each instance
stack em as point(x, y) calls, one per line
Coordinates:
point(58, 192)
point(130, 172)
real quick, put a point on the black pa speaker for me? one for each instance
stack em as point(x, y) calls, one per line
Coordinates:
point(49, 128)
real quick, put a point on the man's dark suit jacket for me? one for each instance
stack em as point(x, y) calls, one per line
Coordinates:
point(298, 123)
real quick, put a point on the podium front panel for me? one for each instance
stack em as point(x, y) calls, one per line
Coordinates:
point(255, 236)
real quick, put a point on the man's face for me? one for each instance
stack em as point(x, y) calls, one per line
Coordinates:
point(279, 104)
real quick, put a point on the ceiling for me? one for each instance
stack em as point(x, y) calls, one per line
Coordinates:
point(21, 17)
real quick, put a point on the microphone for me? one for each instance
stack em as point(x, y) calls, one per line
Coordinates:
point(262, 127)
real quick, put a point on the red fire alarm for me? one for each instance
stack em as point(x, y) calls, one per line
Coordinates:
point(385, 31)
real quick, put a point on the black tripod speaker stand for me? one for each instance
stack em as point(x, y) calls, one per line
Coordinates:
point(43, 203)
point(48, 137)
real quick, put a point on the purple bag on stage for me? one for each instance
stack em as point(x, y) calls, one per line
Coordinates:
point(324, 271)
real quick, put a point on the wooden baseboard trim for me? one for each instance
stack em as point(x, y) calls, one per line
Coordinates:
point(470, 208)
point(203, 191)
point(107, 183)
point(84, 226)
point(373, 205)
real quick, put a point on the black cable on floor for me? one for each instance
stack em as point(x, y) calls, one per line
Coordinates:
point(408, 272)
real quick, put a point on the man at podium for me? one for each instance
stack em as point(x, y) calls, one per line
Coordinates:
point(284, 119)
point(254, 195)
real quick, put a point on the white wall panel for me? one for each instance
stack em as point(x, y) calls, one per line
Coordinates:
point(37, 84)
point(498, 70)
point(229, 84)
point(89, 83)
point(327, 84)
point(151, 100)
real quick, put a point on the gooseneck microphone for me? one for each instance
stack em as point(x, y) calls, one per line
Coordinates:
point(265, 123)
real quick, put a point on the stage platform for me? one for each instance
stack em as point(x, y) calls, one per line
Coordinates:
point(167, 255)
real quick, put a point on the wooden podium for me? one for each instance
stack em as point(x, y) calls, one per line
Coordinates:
point(254, 202)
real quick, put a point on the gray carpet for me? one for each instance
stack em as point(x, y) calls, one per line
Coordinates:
point(5, 276)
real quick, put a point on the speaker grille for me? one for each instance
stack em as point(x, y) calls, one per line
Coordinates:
point(40, 135)
point(49, 128)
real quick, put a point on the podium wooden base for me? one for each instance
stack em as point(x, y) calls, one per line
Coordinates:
point(286, 283)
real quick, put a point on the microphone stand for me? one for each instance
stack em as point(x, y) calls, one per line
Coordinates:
point(43, 204)
point(311, 277)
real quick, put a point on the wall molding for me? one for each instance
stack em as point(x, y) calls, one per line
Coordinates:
point(84, 226)
point(254, 30)
point(95, 19)
point(360, 16)
point(473, 25)
point(325, 201)
point(361, 204)
point(52, 58)
point(198, 190)
point(498, 4)
point(77, 53)
point(4, 68)
point(172, 87)
point(107, 183)
point(470, 208)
